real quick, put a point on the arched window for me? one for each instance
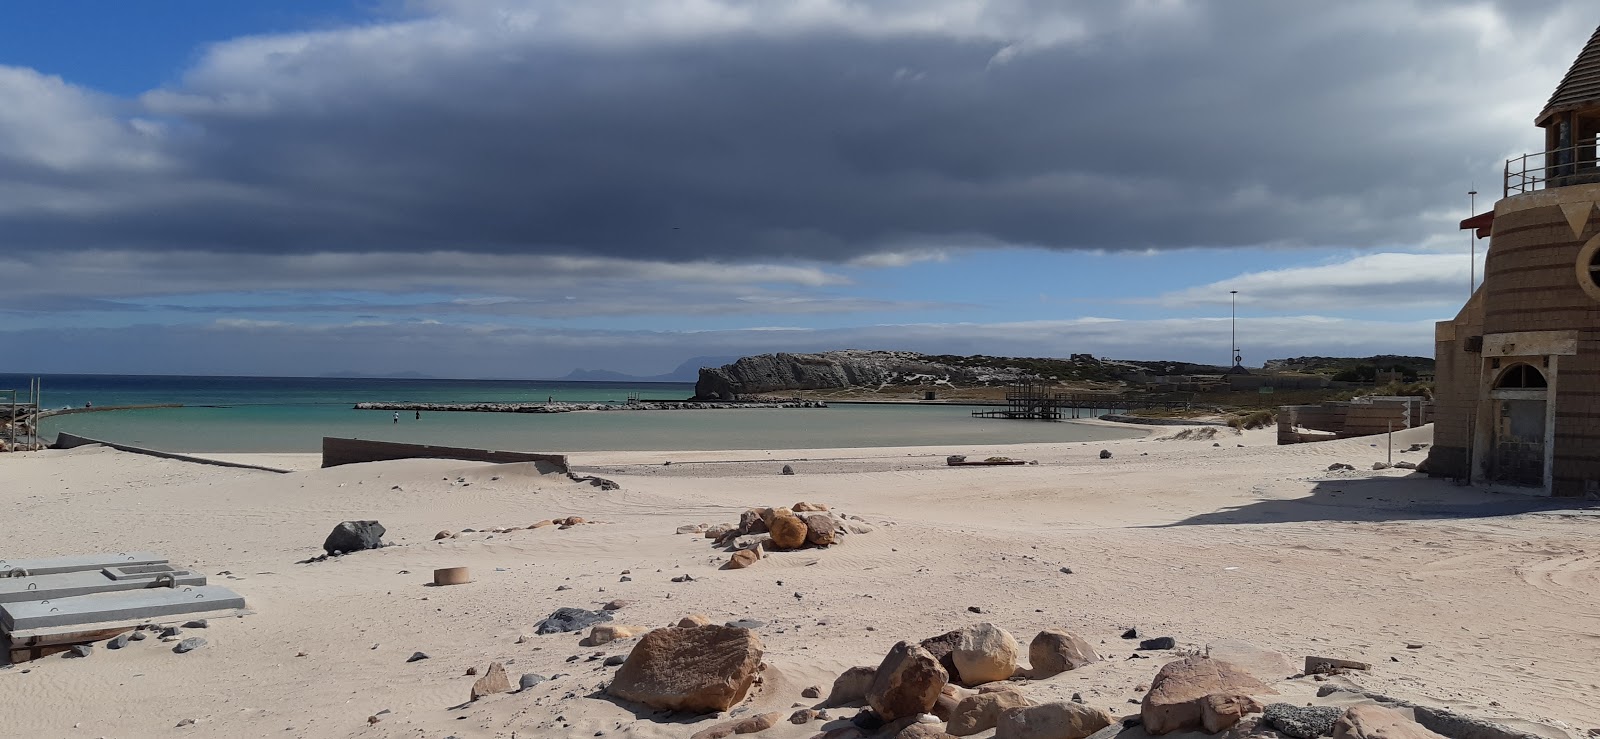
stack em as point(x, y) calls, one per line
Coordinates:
point(1521, 377)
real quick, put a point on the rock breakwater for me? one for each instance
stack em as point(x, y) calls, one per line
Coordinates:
point(571, 407)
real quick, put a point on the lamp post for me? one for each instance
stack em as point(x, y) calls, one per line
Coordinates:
point(1236, 357)
point(1472, 239)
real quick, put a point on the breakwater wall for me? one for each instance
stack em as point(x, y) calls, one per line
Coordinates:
point(651, 405)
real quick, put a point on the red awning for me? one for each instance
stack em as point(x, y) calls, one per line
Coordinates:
point(1483, 222)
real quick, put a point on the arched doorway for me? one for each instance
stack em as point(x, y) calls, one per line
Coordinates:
point(1519, 397)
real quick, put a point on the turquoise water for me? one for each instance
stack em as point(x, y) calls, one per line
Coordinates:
point(293, 414)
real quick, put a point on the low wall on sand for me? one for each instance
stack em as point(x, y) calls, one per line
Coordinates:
point(337, 451)
point(65, 440)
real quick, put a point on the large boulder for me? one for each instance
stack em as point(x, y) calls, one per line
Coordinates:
point(982, 711)
point(1379, 722)
point(1059, 720)
point(820, 529)
point(699, 670)
point(943, 648)
point(851, 686)
point(906, 683)
point(1054, 651)
point(354, 536)
point(787, 530)
point(571, 619)
point(986, 654)
point(1179, 692)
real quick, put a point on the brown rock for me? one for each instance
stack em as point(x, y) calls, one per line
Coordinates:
point(1220, 711)
point(986, 653)
point(843, 732)
point(768, 513)
point(814, 691)
point(1178, 692)
point(607, 633)
point(692, 620)
point(1316, 665)
point(1380, 722)
point(542, 524)
point(819, 529)
point(718, 531)
point(753, 522)
point(982, 712)
point(742, 559)
point(443, 535)
point(922, 731)
point(945, 706)
point(700, 670)
point(757, 723)
point(571, 521)
point(943, 648)
point(719, 731)
point(788, 531)
point(617, 605)
point(1059, 720)
point(803, 507)
point(494, 680)
point(1054, 651)
point(694, 528)
point(803, 716)
point(851, 686)
point(907, 682)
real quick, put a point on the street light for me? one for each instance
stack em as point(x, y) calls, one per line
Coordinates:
point(1472, 238)
point(1236, 356)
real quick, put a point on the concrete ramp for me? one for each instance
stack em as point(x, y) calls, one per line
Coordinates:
point(129, 605)
point(76, 563)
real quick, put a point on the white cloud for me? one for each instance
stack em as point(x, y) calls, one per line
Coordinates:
point(1363, 283)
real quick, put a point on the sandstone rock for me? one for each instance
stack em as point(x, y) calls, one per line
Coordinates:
point(494, 680)
point(788, 531)
point(1220, 711)
point(819, 529)
point(982, 712)
point(1178, 692)
point(571, 619)
point(1059, 720)
point(573, 521)
point(719, 731)
point(607, 633)
point(742, 559)
point(803, 716)
point(906, 683)
point(616, 605)
point(987, 653)
point(752, 522)
point(700, 670)
point(695, 528)
point(858, 527)
point(943, 648)
point(542, 524)
point(759, 723)
point(1266, 665)
point(851, 686)
point(354, 536)
point(1380, 722)
point(944, 706)
point(1302, 722)
point(1054, 651)
point(922, 731)
point(443, 535)
point(803, 507)
point(692, 620)
point(719, 531)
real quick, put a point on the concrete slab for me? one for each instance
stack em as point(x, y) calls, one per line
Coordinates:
point(130, 605)
point(79, 562)
point(141, 572)
point(69, 584)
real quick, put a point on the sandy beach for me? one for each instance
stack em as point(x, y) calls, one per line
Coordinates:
point(1484, 604)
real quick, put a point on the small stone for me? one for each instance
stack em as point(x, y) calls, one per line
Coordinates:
point(1105, 453)
point(120, 640)
point(692, 620)
point(137, 636)
point(746, 623)
point(493, 681)
point(974, 609)
point(196, 624)
point(1380, 466)
point(81, 650)
point(571, 619)
point(1131, 634)
point(417, 657)
point(625, 578)
point(815, 691)
point(617, 605)
point(443, 535)
point(1323, 665)
point(529, 680)
point(1160, 642)
point(803, 716)
point(787, 470)
point(473, 670)
point(1066, 570)
point(170, 631)
point(189, 645)
point(615, 659)
point(186, 722)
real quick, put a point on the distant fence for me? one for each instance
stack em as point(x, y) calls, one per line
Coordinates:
point(336, 452)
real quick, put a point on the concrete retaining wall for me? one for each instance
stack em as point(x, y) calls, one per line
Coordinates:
point(337, 451)
point(65, 440)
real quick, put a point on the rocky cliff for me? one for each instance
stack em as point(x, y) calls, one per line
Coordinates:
point(768, 373)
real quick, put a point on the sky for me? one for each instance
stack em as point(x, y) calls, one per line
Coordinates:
point(519, 188)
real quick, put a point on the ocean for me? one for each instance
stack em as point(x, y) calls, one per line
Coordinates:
point(292, 414)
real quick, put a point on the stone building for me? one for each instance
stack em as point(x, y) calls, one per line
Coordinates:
point(1518, 379)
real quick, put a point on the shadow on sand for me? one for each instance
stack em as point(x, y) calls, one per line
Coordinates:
point(1414, 497)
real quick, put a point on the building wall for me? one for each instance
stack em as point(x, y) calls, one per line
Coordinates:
point(1455, 391)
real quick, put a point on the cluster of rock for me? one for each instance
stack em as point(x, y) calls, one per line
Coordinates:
point(561, 524)
point(763, 530)
point(695, 405)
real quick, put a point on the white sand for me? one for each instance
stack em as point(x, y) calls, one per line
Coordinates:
point(1179, 538)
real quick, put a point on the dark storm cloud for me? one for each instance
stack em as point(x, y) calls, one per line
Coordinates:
point(750, 134)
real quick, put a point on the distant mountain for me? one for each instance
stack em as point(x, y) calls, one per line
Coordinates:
point(407, 375)
point(689, 371)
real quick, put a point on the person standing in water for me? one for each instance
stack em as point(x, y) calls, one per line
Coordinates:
point(397, 416)
point(419, 415)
